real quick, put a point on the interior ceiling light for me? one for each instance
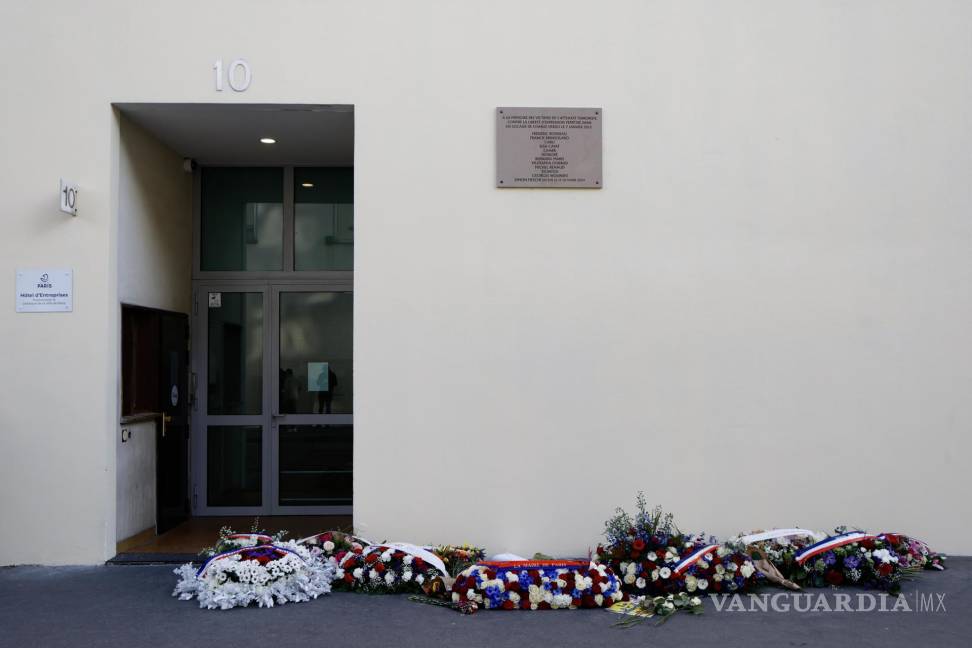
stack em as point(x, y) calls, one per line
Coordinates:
point(268, 140)
point(307, 184)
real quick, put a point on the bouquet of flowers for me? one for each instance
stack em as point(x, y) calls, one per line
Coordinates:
point(458, 558)
point(652, 556)
point(332, 547)
point(264, 574)
point(392, 568)
point(537, 585)
point(853, 558)
point(913, 553)
point(641, 608)
point(229, 540)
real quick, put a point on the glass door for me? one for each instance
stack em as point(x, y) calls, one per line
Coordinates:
point(273, 426)
point(313, 399)
point(231, 433)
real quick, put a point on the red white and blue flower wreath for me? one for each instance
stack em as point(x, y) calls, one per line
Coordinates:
point(537, 585)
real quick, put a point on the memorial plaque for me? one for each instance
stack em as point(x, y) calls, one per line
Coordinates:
point(548, 147)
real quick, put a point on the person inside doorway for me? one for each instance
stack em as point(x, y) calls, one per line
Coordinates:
point(326, 383)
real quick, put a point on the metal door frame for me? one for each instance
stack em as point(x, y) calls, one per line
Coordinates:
point(201, 419)
point(270, 419)
point(278, 419)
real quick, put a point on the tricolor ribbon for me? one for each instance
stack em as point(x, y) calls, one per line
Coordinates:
point(535, 564)
point(827, 544)
point(227, 554)
point(693, 558)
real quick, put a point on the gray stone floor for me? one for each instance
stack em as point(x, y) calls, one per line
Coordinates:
point(123, 606)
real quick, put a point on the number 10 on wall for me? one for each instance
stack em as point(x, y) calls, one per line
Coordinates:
point(238, 75)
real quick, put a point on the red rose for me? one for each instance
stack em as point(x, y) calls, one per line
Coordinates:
point(636, 554)
point(508, 605)
point(326, 537)
point(349, 578)
point(576, 602)
point(339, 555)
point(589, 601)
point(380, 567)
point(543, 605)
point(885, 569)
point(834, 577)
point(638, 544)
point(513, 587)
point(418, 563)
point(524, 603)
point(868, 543)
point(893, 538)
point(371, 558)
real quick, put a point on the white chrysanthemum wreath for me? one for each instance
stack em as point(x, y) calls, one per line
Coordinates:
point(268, 575)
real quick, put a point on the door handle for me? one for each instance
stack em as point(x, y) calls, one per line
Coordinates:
point(166, 418)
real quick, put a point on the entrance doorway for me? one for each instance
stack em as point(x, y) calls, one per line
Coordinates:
point(241, 217)
point(273, 434)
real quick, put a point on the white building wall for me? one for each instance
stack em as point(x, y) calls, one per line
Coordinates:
point(762, 319)
point(135, 505)
point(154, 270)
point(154, 224)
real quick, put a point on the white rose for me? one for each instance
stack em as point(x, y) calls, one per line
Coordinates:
point(654, 575)
point(329, 546)
point(747, 570)
point(691, 583)
point(640, 583)
point(629, 578)
point(652, 556)
point(357, 573)
point(702, 583)
point(664, 572)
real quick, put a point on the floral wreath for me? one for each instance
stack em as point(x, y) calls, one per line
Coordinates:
point(265, 574)
point(537, 585)
point(391, 568)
